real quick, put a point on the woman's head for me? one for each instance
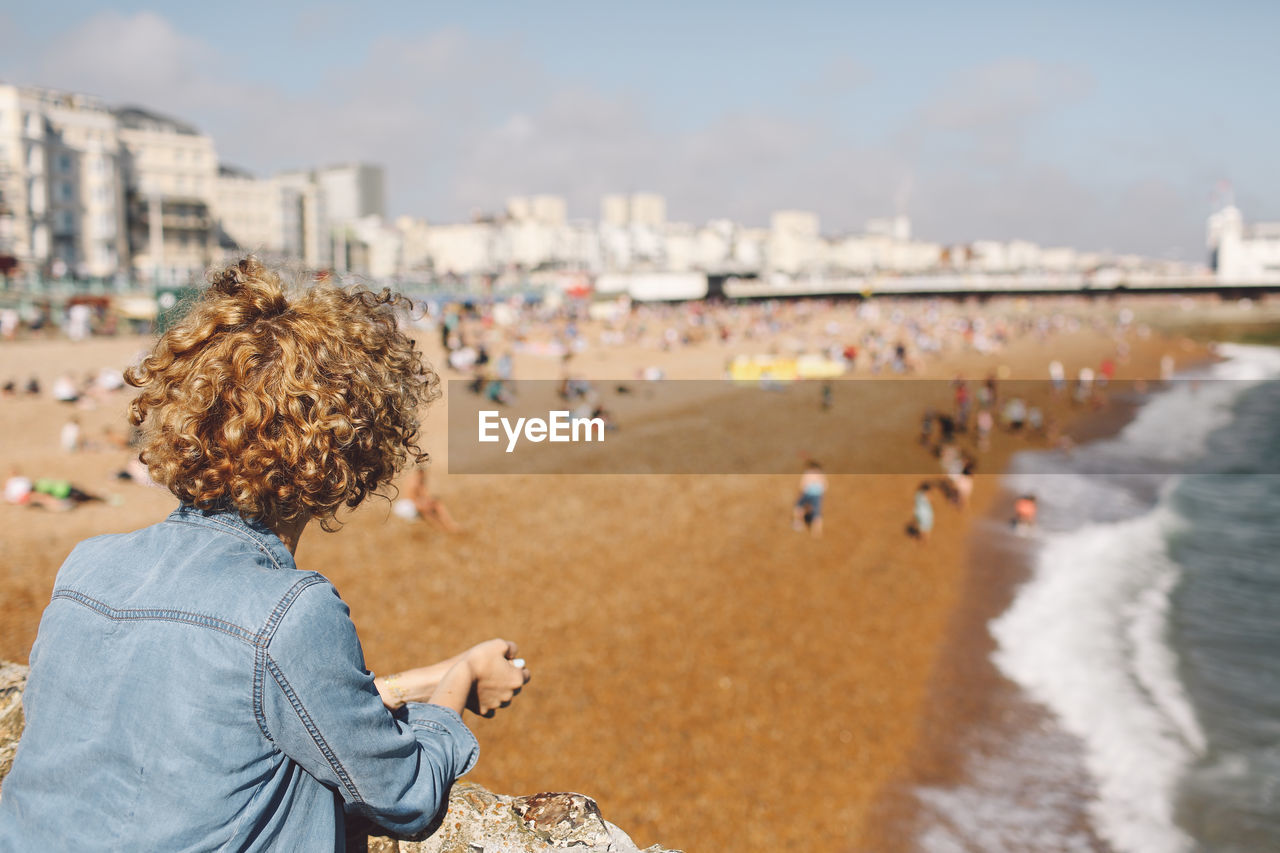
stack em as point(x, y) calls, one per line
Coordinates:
point(281, 405)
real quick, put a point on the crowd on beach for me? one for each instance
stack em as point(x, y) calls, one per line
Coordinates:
point(868, 337)
point(484, 341)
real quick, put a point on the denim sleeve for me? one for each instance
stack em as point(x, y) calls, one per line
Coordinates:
point(320, 707)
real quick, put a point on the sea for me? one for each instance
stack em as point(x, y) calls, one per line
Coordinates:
point(1149, 628)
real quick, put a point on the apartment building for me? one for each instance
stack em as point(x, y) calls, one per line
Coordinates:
point(171, 172)
point(62, 208)
point(264, 216)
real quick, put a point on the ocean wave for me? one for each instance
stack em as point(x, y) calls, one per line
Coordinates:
point(1087, 637)
point(1175, 424)
point(1088, 634)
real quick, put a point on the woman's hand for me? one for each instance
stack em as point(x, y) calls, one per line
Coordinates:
point(482, 679)
point(498, 677)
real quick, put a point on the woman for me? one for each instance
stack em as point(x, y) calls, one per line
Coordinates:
point(190, 688)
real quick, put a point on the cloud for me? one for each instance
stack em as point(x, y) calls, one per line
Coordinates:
point(1002, 94)
point(141, 57)
point(984, 112)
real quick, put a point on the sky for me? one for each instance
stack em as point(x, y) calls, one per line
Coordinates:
point(1104, 126)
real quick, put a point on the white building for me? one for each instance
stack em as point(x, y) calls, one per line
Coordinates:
point(352, 191)
point(259, 215)
point(62, 207)
point(543, 209)
point(896, 228)
point(644, 209)
point(415, 245)
point(462, 248)
point(331, 201)
point(316, 250)
point(375, 248)
point(795, 244)
point(171, 172)
point(1243, 254)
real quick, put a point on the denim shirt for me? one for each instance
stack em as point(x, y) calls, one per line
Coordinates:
point(190, 690)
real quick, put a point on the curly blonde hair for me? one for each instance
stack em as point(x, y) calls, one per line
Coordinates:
point(280, 406)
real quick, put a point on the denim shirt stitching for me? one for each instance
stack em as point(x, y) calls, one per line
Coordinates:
point(316, 736)
point(429, 724)
point(201, 620)
point(264, 637)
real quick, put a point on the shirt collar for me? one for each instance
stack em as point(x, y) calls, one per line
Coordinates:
point(229, 520)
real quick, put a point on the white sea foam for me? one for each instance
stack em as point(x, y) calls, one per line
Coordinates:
point(1087, 635)
point(1086, 638)
point(1175, 424)
point(1021, 795)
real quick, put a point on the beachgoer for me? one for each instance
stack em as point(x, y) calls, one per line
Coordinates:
point(1024, 513)
point(416, 501)
point(962, 480)
point(961, 393)
point(922, 512)
point(64, 389)
point(1084, 385)
point(1015, 414)
point(190, 688)
point(1106, 372)
point(70, 436)
point(946, 428)
point(1058, 376)
point(808, 509)
point(926, 426)
point(985, 423)
point(46, 492)
point(1035, 419)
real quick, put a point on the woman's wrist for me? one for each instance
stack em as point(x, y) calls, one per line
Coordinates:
point(454, 687)
point(413, 685)
point(392, 690)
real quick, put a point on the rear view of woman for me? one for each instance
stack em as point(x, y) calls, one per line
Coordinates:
point(191, 688)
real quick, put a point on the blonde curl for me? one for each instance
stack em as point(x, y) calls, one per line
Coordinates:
point(281, 407)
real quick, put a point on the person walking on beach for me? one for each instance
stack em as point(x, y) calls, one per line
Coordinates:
point(922, 513)
point(808, 509)
point(192, 688)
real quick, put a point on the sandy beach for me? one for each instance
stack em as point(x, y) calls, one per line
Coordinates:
point(715, 680)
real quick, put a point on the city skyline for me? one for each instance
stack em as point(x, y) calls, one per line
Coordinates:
point(1102, 130)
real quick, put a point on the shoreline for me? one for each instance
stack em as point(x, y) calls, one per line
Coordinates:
point(972, 708)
